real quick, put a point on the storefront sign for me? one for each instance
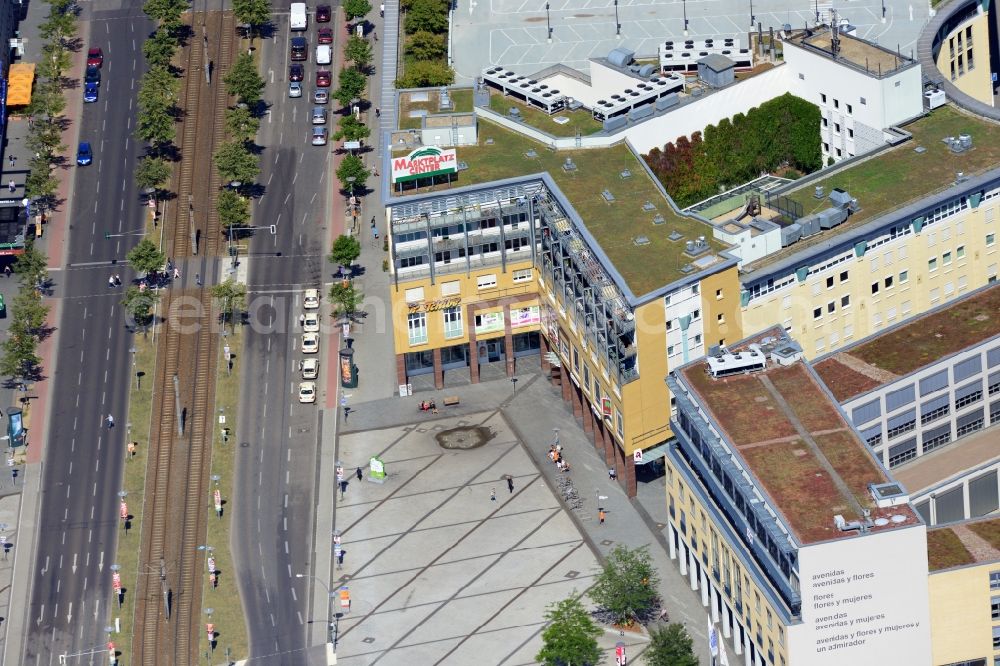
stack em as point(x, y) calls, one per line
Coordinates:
point(435, 306)
point(525, 316)
point(489, 322)
point(424, 163)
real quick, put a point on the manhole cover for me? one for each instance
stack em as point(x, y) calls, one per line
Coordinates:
point(368, 640)
point(470, 437)
point(571, 574)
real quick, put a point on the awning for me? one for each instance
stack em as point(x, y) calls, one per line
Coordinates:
point(19, 80)
point(655, 453)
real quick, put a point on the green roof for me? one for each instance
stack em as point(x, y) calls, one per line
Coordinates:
point(502, 153)
point(900, 176)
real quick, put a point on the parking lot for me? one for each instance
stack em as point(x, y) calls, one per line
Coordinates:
point(440, 573)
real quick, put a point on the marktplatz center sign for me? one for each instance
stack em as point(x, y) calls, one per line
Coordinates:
point(424, 163)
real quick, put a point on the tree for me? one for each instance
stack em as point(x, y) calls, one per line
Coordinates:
point(349, 128)
point(358, 51)
point(234, 210)
point(241, 123)
point(167, 12)
point(352, 84)
point(352, 167)
point(145, 257)
point(152, 173)
point(18, 359)
point(40, 183)
point(31, 267)
point(235, 163)
point(140, 303)
point(45, 138)
point(256, 13)
point(426, 74)
point(355, 9)
point(670, 646)
point(155, 126)
point(626, 588)
point(232, 297)
point(427, 15)
point(158, 88)
point(345, 250)
point(425, 45)
point(159, 49)
point(244, 81)
point(29, 312)
point(346, 299)
point(571, 637)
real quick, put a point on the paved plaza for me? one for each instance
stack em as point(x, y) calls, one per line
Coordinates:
point(438, 572)
point(513, 32)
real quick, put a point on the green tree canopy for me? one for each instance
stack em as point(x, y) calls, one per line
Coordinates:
point(345, 250)
point(145, 257)
point(155, 126)
point(140, 303)
point(29, 312)
point(358, 51)
point(425, 45)
point(345, 299)
point(234, 210)
point(570, 639)
point(257, 13)
point(349, 128)
point(670, 646)
point(231, 297)
point(40, 183)
point(167, 12)
point(151, 173)
point(244, 81)
point(427, 15)
point(627, 586)
point(31, 267)
point(160, 48)
point(235, 163)
point(158, 89)
point(351, 85)
point(241, 124)
point(352, 167)
point(355, 9)
point(18, 357)
point(425, 74)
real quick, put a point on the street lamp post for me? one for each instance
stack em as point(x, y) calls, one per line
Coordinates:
point(685, 8)
point(133, 350)
point(618, 25)
point(751, 15)
point(329, 608)
point(548, 22)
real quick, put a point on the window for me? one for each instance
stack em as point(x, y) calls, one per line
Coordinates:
point(995, 580)
point(694, 290)
point(416, 323)
point(990, 239)
point(874, 287)
point(932, 264)
point(453, 322)
point(946, 258)
point(836, 103)
point(829, 282)
point(888, 282)
point(817, 313)
point(522, 275)
point(822, 97)
point(850, 135)
point(720, 318)
point(845, 300)
point(831, 306)
point(904, 276)
point(995, 608)
point(487, 281)
point(621, 423)
point(576, 359)
point(996, 638)
point(850, 109)
point(670, 350)
point(718, 294)
point(836, 128)
point(863, 101)
point(697, 339)
point(670, 324)
point(696, 315)
point(960, 252)
point(843, 277)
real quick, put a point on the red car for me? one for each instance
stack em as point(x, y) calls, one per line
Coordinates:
point(296, 73)
point(323, 14)
point(325, 35)
point(323, 78)
point(95, 57)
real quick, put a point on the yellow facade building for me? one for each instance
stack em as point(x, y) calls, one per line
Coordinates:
point(962, 51)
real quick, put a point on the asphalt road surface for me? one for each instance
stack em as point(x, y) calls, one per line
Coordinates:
point(71, 586)
point(277, 464)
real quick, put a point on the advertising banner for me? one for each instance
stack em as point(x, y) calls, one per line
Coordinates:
point(525, 316)
point(424, 163)
point(489, 322)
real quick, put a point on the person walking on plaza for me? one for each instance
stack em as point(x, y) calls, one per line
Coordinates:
point(359, 473)
point(510, 484)
point(600, 515)
point(493, 495)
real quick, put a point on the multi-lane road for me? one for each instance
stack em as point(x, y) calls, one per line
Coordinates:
point(71, 581)
point(278, 459)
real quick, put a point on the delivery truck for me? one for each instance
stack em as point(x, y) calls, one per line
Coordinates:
point(298, 18)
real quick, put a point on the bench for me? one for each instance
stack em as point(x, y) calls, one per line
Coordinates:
point(451, 400)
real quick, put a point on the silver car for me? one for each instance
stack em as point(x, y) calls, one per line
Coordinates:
point(321, 97)
point(294, 89)
point(318, 115)
point(319, 136)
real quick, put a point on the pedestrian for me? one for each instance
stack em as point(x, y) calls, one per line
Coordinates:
point(600, 515)
point(6, 270)
point(11, 186)
point(381, 9)
point(510, 484)
point(111, 281)
point(340, 557)
point(493, 495)
point(302, 320)
point(118, 280)
point(358, 473)
point(375, 37)
point(343, 488)
point(612, 474)
point(12, 160)
point(378, 112)
point(347, 410)
point(177, 273)
point(197, 279)
point(374, 231)
point(111, 421)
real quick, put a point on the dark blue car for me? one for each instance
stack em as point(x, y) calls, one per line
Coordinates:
point(90, 92)
point(84, 155)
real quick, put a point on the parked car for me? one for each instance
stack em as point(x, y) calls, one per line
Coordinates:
point(324, 35)
point(84, 154)
point(309, 368)
point(319, 135)
point(307, 393)
point(311, 322)
point(323, 13)
point(90, 92)
point(310, 343)
point(299, 48)
point(319, 115)
point(311, 299)
point(95, 57)
point(92, 75)
point(296, 72)
point(323, 78)
point(321, 97)
point(294, 89)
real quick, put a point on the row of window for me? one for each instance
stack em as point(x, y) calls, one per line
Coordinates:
point(932, 263)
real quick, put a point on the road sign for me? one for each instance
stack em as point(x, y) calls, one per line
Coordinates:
point(345, 598)
point(211, 565)
point(340, 473)
point(116, 581)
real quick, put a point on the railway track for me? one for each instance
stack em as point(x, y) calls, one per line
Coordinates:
point(168, 602)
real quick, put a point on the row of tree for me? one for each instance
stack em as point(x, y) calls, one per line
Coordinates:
point(19, 351)
point(625, 592)
point(780, 133)
point(426, 44)
point(237, 160)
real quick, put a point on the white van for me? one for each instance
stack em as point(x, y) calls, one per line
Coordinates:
point(324, 54)
point(297, 16)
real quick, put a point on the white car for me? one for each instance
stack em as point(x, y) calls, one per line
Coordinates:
point(310, 343)
point(294, 89)
point(309, 368)
point(311, 322)
point(311, 300)
point(307, 392)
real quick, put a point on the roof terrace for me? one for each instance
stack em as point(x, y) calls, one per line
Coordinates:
point(862, 54)
point(796, 444)
point(962, 544)
point(907, 347)
point(612, 192)
point(901, 175)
